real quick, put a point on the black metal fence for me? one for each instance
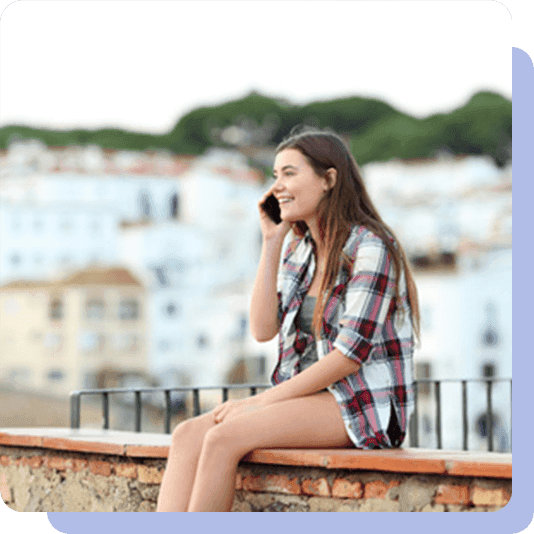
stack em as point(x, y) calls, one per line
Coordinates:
point(430, 398)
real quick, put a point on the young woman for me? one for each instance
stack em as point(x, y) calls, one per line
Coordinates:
point(334, 283)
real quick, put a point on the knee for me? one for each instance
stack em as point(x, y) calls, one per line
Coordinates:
point(223, 439)
point(188, 431)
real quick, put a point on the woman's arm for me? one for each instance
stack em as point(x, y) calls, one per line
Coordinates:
point(264, 322)
point(324, 372)
point(333, 367)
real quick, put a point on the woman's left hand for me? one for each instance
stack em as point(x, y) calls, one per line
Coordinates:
point(233, 408)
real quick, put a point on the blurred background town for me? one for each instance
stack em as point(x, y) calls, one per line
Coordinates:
point(127, 258)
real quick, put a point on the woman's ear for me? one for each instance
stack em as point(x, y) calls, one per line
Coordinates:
point(330, 178)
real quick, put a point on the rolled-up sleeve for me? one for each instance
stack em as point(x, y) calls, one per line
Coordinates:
point(368, 298)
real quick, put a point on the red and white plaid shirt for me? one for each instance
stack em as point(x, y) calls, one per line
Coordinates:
point(362, 321)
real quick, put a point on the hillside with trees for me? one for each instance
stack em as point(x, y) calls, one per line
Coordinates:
point(377, 131)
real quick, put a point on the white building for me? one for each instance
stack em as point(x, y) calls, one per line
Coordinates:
point(467, 334)
point(215, 244)
point(53, 223)
point(182, 235)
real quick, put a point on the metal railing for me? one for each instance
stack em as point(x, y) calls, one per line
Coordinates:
point(413, 432)
point(76, 397)
point(489, 385)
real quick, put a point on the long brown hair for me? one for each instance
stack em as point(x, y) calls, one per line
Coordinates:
point(346, 203)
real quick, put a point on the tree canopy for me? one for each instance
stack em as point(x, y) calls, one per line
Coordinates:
point(377, 131)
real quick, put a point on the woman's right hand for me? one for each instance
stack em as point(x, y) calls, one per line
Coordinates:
point(269, 229)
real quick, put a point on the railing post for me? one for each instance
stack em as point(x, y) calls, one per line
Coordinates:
point(414, 424)
point(105, 409)
point(196, 402)
point(138, 411)
point(167, 423)
point(438, 412)
point(490, 415)
point(464, 415)
point(75, 409)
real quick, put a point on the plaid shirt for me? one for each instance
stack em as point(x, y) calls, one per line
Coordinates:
point(361, 320)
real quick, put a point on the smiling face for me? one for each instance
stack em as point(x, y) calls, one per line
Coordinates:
point(298, 188)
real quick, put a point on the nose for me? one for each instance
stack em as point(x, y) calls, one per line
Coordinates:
point(278, 185)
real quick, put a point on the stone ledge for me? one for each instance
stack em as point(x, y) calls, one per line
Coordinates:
point(149, 445)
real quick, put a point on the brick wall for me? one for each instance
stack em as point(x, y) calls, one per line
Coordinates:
point(38, 479)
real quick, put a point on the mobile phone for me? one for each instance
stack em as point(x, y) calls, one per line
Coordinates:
point(272, 208)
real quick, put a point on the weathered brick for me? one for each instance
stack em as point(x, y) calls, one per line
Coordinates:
point(149, 475)
point(452, 494)
point(378, 489)
point(271, 483)
point(33, 461)
point(344, 489)
point(100, 468)
point(126, 470)
point(5, 460)
point(318, 487)
point(78, 464)
point(282, 484)
point(58, 463)
point(489, 497)
point(251, 483)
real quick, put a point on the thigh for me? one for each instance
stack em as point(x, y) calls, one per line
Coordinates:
point(313, 421)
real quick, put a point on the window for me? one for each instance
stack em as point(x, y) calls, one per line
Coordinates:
point(164, 345)
point(171, 309)
point(175, 205)
point(56, 309)
point(88, 341)
point(55, 375)
point(202, 341)
point(490, 337)
point(129, 309)
point(145, 205)
point(489, 370)
point(161, 276)
point(95, 309)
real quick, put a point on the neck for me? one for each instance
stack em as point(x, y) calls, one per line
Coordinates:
point(319, 245)
point(314, 230)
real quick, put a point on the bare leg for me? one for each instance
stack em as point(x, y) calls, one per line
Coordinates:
point(182, 462)
point(311, 421)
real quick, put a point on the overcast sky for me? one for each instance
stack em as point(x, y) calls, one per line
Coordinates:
point(142, 65)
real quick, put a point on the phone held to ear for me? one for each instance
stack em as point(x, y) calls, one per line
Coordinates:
point(272, 208)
